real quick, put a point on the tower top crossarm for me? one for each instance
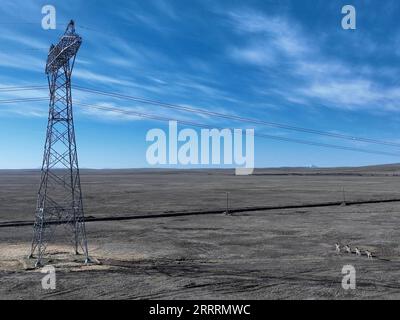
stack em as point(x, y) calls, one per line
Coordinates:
point(64, 50)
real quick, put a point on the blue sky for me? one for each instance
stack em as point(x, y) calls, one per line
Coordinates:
point(282, 61)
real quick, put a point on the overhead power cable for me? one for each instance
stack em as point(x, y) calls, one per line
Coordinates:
point(261, 135)
point(22, 88)
point(236, 118)
point(196, 124)
point(215, 114)
point(10, 101)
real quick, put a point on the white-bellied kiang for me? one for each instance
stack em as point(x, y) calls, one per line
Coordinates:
point(369, 254)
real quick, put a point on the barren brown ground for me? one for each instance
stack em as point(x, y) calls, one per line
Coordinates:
point(277, 254)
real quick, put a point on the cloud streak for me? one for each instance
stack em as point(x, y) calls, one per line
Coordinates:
point(280, 44)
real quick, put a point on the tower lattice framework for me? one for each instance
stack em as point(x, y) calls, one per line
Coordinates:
point(59, 200)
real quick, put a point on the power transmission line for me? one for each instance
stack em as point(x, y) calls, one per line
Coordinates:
point(261, 135)
point(217, 114)
point(237, 118)
point(22, 88)
point(10, 101)
point(196, 124)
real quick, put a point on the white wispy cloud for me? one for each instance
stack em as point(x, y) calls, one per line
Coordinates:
point(26, 111)
point(157, 19)
point(257, 54)
point(166, 8)
point(272, 33)
point(92, 76)
point(110, 114)
point(280, 43)
point(27, 41)
point(21, 61)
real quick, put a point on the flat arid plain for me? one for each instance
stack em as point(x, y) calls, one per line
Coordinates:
point(163, 234)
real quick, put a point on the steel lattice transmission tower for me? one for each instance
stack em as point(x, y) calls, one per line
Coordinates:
point(59, 199)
